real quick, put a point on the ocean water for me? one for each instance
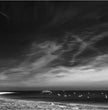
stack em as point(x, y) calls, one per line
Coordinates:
point(91, 97)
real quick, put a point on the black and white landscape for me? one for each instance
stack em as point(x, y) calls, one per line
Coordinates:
point(57, 48)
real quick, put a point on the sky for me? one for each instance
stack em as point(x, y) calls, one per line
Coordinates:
point(53, 45)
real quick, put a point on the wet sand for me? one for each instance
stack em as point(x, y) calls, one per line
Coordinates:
point(17, 104)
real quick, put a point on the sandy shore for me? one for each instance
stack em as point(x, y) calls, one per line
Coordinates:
point(15, 104)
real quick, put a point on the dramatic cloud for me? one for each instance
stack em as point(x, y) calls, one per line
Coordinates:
point(70, 49)
point(38, 68)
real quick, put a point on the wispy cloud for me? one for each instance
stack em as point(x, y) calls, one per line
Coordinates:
point(67, 76)
point(37, 70)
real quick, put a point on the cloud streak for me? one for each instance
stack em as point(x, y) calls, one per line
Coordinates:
point(36, 69)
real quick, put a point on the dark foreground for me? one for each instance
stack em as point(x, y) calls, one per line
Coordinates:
point(17, 104)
